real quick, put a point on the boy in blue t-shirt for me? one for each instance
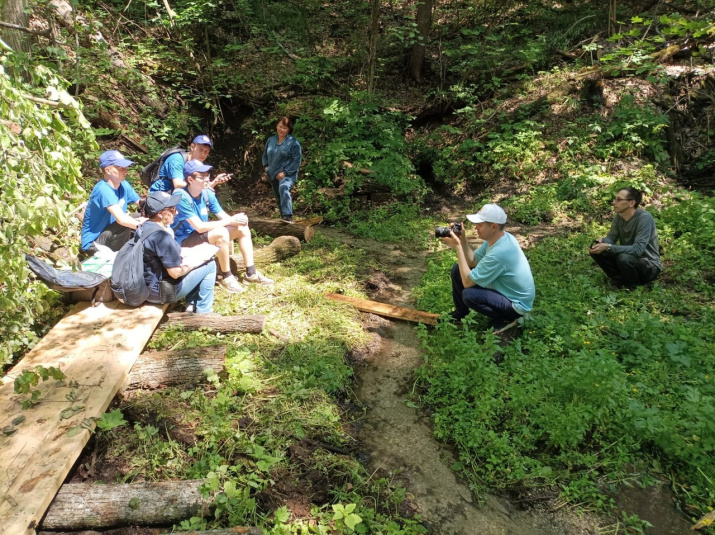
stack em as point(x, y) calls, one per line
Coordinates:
point(192, 227)
point(106, 221)
point(171, 173)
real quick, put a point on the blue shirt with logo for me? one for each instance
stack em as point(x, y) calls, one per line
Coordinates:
point(190, 207)
point(96, 216)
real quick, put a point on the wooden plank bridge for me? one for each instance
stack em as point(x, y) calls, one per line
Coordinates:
point(95, 347)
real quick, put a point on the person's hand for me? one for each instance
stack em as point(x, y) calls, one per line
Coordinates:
point(240, 219)
point(598, 247)
point(220, 179)
point(280, 176)
point(452, 240)
point(463, 234)
point(265, 173)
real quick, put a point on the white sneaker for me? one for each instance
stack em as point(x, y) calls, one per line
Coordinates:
point(230, 284)
point(190, 308)
point(257, 278)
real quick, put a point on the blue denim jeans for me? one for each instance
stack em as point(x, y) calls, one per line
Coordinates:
point(198, 287)
point(281, 190)
point(488, 302)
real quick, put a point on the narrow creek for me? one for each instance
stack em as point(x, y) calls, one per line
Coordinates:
point(399, 439)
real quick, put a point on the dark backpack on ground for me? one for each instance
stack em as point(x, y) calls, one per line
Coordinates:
point(76, 285)
point(128, 282)
point(150, 172)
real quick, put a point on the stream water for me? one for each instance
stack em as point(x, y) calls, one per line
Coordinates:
point(399, 439)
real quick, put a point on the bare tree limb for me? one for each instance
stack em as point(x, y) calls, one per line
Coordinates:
point(43, 33)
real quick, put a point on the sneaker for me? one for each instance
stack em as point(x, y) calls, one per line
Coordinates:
point(231, 285)
point(287, 220)
point(257, 278)
point(190, 308)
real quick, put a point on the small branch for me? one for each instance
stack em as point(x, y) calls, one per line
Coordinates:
point(53, 103)
point(43, 33)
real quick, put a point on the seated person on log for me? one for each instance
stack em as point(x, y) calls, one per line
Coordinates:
point(163, 264)
point(630, 253)
point(192, 227)
point(171, 173)
point(106, 221)
point(495, 279)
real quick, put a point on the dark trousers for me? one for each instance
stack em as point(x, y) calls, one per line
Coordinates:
point(114, 237)
point(488, 302)
point(625, 269)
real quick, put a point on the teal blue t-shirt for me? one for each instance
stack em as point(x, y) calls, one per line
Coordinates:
point(503, 267)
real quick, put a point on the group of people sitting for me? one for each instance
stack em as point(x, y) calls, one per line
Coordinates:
point(495, 279)
point(179, 207)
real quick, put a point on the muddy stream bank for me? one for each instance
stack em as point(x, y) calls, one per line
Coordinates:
point(398, 439)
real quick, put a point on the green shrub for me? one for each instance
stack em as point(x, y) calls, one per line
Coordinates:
point(41, 175)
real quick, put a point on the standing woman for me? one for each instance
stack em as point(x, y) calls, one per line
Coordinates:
point(281, 161)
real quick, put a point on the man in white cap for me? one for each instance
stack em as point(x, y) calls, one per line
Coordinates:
point(495, 280)
point(106, 221)
point(171, 173)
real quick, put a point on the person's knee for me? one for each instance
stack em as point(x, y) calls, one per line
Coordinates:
point(219, 236)
point(626, 261)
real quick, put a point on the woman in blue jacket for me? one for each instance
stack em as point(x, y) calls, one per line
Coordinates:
point(281, 161)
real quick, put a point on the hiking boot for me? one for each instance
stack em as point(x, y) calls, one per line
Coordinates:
point(230, 284)
point(257, 278)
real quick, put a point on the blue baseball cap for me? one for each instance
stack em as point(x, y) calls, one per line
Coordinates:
point(203, 139)
point(195, 166)
point(113, 157)
point(158, 200)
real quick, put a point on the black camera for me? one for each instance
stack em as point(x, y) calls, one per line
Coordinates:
point(443, 232)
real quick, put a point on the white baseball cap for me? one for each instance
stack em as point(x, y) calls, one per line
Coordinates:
point(490, 213)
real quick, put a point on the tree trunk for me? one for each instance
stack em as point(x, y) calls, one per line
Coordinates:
point(216, 323)
point(374, 32)
point(424, 21)
point(13, 12)
point(160, 369)
point(280, 248)
point(274, 228)
point(82, 506)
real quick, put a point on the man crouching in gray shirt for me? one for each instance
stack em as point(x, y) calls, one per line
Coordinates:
point(629, 255)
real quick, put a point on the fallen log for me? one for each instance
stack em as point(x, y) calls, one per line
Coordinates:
point(87, 506)
point(275, 228)
point(217, 323)
point(280, 248)
point(160, 369)
point(383, 309)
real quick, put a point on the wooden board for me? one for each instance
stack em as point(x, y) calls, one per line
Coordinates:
point(382, 309)
point(95, 347)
